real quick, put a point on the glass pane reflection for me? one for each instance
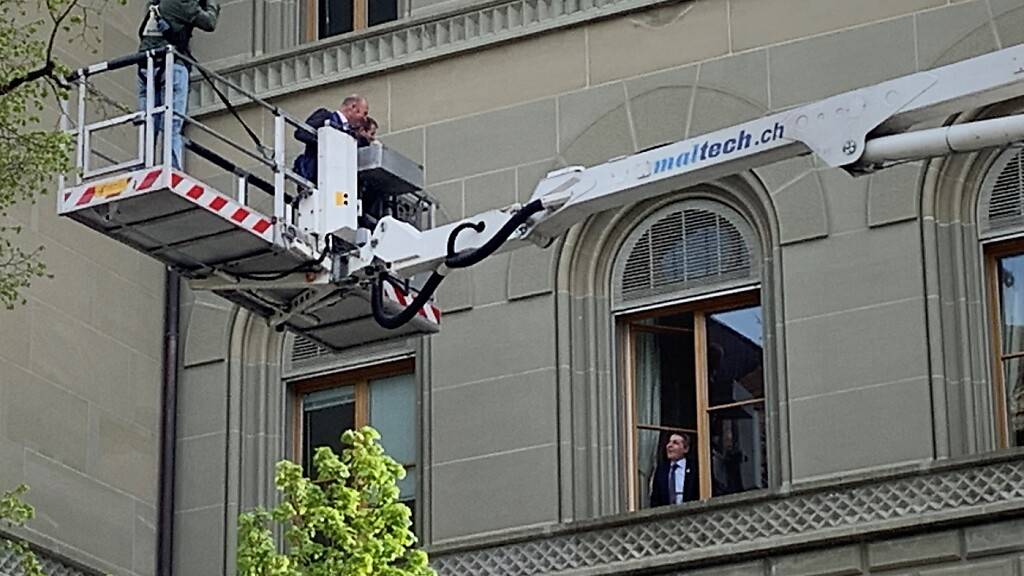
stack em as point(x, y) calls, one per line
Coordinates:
point(1013, 382)
point(664, 379)
point(735, 357)
point(739, 449)
point(1011, 303)
point(326, 414)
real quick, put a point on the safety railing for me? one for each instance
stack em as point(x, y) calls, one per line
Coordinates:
point(249, 166)
point(258, 174)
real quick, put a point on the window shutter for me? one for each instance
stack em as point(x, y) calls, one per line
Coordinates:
point(304, 350)
point(683, 247)
point(1002, 205)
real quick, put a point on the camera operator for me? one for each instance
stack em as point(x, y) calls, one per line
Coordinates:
point(171, 22)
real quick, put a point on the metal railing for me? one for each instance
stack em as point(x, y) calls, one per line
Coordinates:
point(153, 127)
point(241, 166)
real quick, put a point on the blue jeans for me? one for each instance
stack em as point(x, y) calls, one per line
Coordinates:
point(179, 83)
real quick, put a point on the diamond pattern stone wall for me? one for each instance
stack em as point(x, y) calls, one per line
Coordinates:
point(51, 566)
point(716, 531)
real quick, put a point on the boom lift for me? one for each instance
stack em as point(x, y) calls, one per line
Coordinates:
point(355, 257)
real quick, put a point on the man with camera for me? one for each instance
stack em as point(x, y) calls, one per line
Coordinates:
point(170, 23)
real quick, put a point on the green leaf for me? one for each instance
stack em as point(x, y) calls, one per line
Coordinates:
point(15, 512)
point(348, 522)
point(32, 153)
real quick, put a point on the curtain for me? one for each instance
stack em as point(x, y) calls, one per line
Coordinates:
point(647, 379)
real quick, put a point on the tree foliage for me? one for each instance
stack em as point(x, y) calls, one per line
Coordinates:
point(14, 512)
point(32, 149)
point(348, 522)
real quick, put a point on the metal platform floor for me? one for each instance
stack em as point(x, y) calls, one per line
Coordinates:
point(203, 233)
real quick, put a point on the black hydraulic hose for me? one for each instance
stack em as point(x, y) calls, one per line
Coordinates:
point(398, 320)
point(453, 260)
point(469, 258)
point(234, 112)
point(477, 227)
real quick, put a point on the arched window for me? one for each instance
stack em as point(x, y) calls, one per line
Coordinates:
point(1001, 222)
point(376, 385)
point(686, 298)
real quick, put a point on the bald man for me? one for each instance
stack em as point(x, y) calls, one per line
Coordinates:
point(348, 118)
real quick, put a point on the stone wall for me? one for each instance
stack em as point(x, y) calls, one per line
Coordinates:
point(80, 368)
point(520, 397)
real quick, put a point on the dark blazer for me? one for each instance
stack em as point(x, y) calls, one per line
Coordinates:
point(305, 163)
point(659, 486)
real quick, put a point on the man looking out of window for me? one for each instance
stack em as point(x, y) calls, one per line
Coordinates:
point(674, 480)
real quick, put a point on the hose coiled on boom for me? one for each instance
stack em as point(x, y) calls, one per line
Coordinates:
point(453, 260)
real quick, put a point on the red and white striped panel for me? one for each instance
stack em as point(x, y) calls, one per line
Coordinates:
point(97, 193)
point(430, 312)
point(221, 205)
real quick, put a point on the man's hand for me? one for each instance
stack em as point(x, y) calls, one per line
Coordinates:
point(205, 14)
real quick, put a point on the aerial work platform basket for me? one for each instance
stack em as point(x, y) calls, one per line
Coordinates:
point(238, 221)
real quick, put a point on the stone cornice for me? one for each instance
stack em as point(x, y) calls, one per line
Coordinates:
point(405, 43)
point(959, 492)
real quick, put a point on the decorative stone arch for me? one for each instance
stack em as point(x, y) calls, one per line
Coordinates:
point(956, 219)
point(590, 391)
point(230, 387)
point(259, 366)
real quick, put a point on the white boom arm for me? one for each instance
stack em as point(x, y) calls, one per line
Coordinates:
point(860, 131)
point(268, 263)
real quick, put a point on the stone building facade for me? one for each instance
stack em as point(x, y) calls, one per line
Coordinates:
point(873, 427)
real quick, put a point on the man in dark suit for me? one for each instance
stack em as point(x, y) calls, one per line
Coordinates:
point(674, 479)
point(349, 118)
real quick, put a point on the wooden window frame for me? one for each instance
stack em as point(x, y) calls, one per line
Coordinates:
point(360, 380)
point(700, 444)
point(993, 253)
point(360, 17)
point(360, 12)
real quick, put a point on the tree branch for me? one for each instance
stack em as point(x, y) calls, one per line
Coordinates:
point(49, 65)
point(44, 71)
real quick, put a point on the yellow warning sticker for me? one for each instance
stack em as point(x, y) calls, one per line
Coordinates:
point(112, 188)
point(341, 199)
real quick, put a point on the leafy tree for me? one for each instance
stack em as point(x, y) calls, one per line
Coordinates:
point(32, 152)
point(13, 514)
point(348, 522)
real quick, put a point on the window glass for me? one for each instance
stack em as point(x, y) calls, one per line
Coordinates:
point(381, 11)
point(739, 451)
point(325, 415)
point(708, 417)
point(335, 17)
point(387, 402)
point(665, 399)
point(1011, 302)
point(735, 356)
point(340, 16)
point(1013, 376)
point(736, 401)
point(1011, 327)
point(393, 414)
